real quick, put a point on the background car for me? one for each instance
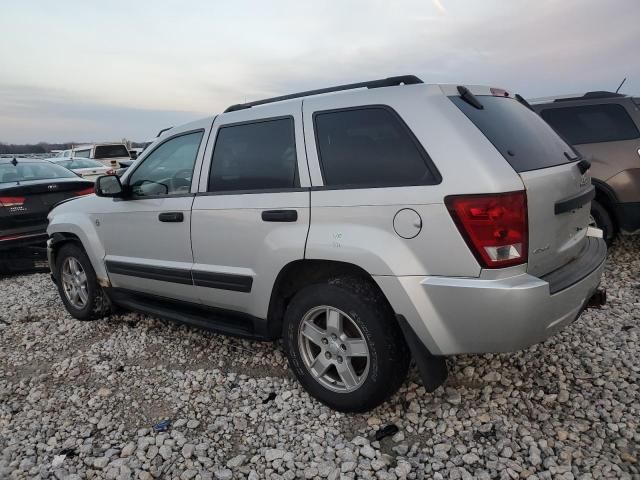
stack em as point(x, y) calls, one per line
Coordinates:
point(84, 167)
point(124, 166)
point(29, 188)
point(605, 128)
point(109, 154)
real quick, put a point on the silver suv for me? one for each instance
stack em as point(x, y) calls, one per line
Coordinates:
point(365, 225)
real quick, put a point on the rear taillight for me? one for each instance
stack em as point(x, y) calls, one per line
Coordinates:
point(11, 201)
point(111, 171)
point(494, 226)
point(85, 191)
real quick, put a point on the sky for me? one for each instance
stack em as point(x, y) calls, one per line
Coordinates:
point(78, 70)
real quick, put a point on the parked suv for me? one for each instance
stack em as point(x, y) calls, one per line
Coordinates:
point(364, 225)
point(605, 128)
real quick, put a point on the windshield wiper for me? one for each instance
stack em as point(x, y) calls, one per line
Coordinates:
point(469, 97)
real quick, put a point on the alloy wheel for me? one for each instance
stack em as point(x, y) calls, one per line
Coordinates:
point(334, 349)
point(74, 283)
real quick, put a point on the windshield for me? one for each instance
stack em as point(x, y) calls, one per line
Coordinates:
point(111, 151)
point(80, 163)
point(525, 140)
point(24, 171)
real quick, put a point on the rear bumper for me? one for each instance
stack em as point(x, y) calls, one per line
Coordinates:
point(472, 315)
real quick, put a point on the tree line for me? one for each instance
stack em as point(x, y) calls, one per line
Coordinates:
point(44, 147)
point(41, 147)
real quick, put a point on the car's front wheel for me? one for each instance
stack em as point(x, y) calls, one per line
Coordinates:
point(78, 286)
point(344, 345)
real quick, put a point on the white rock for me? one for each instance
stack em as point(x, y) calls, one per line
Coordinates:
point(236, 461)
point(272, 454)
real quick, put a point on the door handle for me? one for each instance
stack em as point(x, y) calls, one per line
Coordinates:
point(280, 215)
point(171, 217)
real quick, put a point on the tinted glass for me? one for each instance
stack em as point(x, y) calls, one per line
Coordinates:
point(254, 156)
point(168, 169)
point(23, 172)
point(80, 163)
point(592, 123)
point(369, 147)
point(519, 134)
point(111, 151)
point(82, 153)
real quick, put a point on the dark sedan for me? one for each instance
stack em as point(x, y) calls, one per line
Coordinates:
point(29, 188)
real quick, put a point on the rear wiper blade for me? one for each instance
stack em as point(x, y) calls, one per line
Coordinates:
point(469, 97)
point(524, 102)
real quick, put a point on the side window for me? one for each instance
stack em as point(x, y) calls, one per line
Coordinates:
point(607, 122)
point(82, 153)
point(254, 156)
point(169, 168)
point(369, 147)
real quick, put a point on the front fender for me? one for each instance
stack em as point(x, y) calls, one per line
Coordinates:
point(81, 225)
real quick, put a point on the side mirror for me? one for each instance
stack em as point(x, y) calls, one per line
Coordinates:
point(109, 186)
point(133, 154)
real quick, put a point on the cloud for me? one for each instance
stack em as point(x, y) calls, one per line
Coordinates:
point(182, 62)
point(30, 114)
point(439, 6)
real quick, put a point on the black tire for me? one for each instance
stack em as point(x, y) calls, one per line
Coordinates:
point(98, 304)
point(603, 221)
point(389, 356)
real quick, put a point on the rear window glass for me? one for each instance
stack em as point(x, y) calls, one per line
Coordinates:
point(81, 153)
point(82, 163)
point(369, 147)
point(592, 123)
point(23, 172)
point(111, 151)
point(255, 156)
point(520, 135)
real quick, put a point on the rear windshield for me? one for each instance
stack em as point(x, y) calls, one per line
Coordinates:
point(80, 163)
point(520, 135)
point(608, 122)
point(111, 151)
point(23, 172)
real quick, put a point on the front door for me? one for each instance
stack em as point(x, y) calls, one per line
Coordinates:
point(147, 236)
point(251, 215)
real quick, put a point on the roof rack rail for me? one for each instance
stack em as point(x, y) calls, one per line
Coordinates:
point(590, 95)
point(163, 130)
point(385, 82)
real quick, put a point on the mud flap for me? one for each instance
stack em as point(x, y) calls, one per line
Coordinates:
point(433, 370)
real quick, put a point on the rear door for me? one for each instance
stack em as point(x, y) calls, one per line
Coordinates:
point(558, 194)
point(251, 215)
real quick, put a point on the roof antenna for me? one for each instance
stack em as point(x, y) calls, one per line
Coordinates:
point(621, 83)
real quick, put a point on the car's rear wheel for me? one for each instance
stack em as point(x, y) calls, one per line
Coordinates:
point(344, 345)
point(601, 218)
point(78, 286)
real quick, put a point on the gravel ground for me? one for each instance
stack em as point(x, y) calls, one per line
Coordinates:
point(79, 400)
